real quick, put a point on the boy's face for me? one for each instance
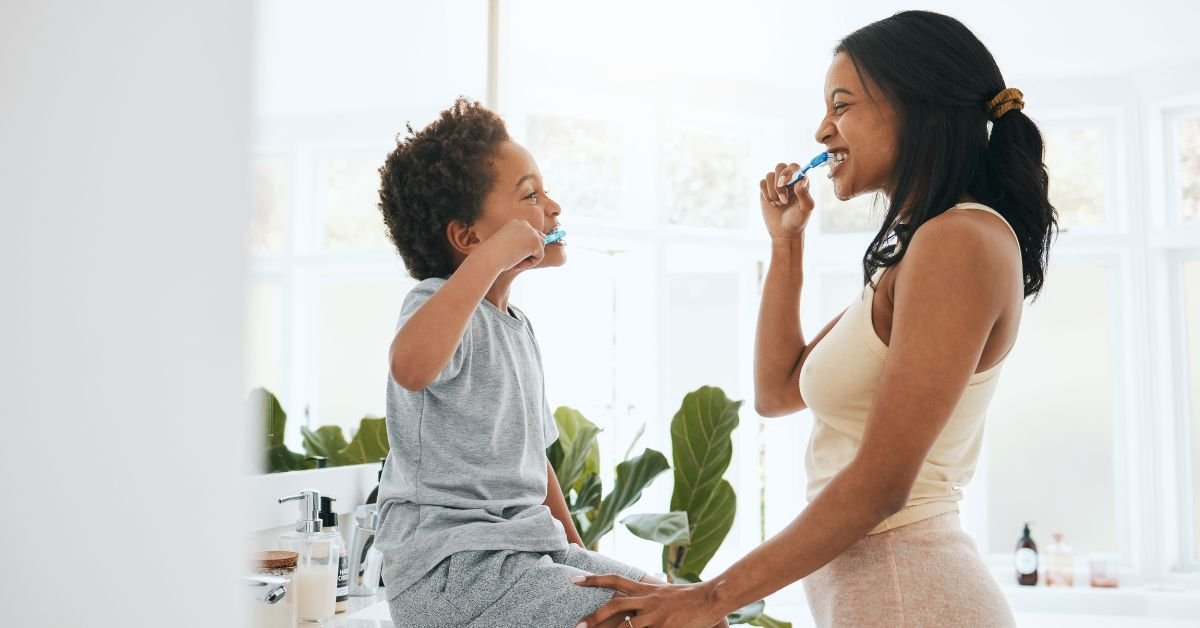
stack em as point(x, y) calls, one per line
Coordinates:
point(517, 192)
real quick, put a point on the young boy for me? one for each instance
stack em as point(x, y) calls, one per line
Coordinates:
point(474, 530)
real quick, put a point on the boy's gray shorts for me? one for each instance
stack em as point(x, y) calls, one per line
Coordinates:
point(506, 588)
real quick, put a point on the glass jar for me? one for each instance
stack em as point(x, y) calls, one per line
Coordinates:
point(1105, 570)
point(276, 607)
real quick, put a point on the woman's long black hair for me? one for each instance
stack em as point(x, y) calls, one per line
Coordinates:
point(939, 78)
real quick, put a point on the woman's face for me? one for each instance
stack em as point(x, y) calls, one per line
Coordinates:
point(860, 130)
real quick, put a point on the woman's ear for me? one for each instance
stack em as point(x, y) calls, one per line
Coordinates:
point(462, 237)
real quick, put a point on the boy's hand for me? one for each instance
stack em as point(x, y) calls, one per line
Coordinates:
point(516, 246)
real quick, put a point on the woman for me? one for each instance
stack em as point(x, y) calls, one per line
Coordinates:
point(899, 383)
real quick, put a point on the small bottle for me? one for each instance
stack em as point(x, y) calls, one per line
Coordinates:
point(1060, 563)
point(1026, 559)
point(1105, 570)
point(365, 559)
point(316, 574)
point(329, 522)
point(374, 496)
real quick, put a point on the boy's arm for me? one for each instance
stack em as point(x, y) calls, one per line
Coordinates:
point(427, 340)
point(558, 506)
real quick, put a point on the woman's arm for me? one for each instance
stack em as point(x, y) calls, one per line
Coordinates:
point(779, 347)
point(948, 296)
point(558, 506)
point(950, 290)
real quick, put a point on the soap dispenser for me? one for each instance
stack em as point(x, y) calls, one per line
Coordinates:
point(315, 580)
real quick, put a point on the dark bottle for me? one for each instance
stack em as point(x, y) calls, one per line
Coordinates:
point(374, 496)
point(1026, 559)
point(329, 521)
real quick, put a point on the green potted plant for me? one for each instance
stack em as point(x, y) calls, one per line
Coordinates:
point(703, 503)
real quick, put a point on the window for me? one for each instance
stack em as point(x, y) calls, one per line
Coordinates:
point(349, 203)
point(1050, 450)
point(335, 88)
point(268, 223)
point(1191, 282)
point(1188, 164)
point(583, 160)
point(1075, 161)
point(707, 184)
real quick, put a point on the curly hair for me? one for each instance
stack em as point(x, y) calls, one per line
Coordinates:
point(435, 176)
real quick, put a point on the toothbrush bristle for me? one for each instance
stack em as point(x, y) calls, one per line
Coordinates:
point(555, 235)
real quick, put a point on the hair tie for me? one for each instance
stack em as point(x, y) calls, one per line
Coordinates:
point(1005, 101)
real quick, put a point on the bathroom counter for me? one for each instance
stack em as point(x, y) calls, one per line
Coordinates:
point(1033, 608)
point(372, 612)
point(364, 612)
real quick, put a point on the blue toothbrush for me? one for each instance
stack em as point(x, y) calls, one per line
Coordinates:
point(816, 161)
point(555, 236)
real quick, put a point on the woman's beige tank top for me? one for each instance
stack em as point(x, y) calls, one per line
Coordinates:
point(839, 381)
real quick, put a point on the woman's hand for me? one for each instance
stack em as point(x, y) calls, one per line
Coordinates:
point(649, 605)
point(785, 211)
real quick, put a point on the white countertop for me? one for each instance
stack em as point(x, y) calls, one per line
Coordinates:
point(364, 612)
point(372, 612)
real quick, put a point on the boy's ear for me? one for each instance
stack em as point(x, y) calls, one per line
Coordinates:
point(461, 236)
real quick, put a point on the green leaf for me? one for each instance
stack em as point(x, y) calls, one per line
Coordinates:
point(670, 528)
point(370, 443)
point(265, 405)
point(328, 441)
point(575, 456)
point(588, 498)
point(632, 477)
point(747, 613)
point(709, 527)
point(280, 459)
point(277, 458)
point(702, 448)
point(769, 622)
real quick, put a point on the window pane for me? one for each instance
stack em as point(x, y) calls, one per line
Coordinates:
point(357, 321)
point(1189, 167)
point(1049, 433)
point(577, 342)
point(351, 204)
point(706, 183)
point(859, 214)
point(581, 160)
point(270, 189)
point(1191, 279)
point(265, 337)
point(1077, 191)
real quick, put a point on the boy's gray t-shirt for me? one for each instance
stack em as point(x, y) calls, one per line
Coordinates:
point(467, 465)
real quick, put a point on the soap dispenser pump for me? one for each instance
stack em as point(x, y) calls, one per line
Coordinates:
point(316, 574)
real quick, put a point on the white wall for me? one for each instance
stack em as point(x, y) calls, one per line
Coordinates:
point(122, 174)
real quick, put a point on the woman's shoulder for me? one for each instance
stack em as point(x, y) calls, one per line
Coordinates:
point(964, 232)
point(961, 246)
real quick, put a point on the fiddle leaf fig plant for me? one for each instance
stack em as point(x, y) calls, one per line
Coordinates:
point(575, 457)
point(369, 444)
point(703, 503)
